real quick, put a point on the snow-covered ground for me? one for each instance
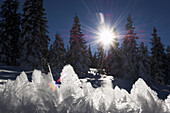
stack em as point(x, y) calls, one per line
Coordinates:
point(162, 90)
point(91, 95)
point(9, 72)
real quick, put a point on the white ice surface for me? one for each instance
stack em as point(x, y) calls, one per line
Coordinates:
point(22, 96)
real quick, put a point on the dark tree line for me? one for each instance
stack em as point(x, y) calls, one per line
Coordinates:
point(9, 32)
point(23, 37)
point(24, 41)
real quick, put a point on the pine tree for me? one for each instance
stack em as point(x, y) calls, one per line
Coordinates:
point(144, 63)
point(57, 55)
point(34, 35)
point(90, 56)
point(157, 59)
point(168, 63)
point(113, 58)
point(130, 52)
point(44, 37)
point(10, 32)
point(3, 57)
point(100, 58)
point(78, 52)
point(94, 60)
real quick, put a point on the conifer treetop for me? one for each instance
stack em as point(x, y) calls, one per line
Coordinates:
point(154, 34)
point(78, 52)
point(129, 25)
point(76, 28)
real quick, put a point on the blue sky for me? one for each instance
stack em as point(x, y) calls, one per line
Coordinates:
point(145, 13)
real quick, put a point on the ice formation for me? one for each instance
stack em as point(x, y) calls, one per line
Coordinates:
point(75, 96)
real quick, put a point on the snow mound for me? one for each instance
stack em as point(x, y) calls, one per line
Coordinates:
point(70, 83)
point(147, 98)
point(75, 96)
point(167, 102)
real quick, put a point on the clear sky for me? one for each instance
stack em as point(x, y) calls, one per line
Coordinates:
point(145, 13)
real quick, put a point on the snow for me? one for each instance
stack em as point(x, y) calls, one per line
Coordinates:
point(36, 77)
point(75, 95)
point(70, 84)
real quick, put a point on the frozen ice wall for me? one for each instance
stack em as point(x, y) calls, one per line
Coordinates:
point(74, 96)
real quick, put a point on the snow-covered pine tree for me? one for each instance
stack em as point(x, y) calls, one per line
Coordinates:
point(10, 32)
point(157, 59)
point(144, 63)
point(44, 36)
point(34, 35)
point(90, 56)
point(94, 60)
point(113, 61)
point(168, 63)
point(130, 52)
point(100, 58)
point(78, 52)
point(57, 55)
point(3, 57)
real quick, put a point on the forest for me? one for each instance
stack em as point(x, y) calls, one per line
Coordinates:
point(24, 42)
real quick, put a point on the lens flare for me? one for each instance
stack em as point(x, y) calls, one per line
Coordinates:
point(106, 36)
point(101, 18)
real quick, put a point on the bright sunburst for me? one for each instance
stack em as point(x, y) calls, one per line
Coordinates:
point(105, 33)
point(106, 36)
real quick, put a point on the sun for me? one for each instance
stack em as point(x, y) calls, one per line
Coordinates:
point(106, 36)
point(105, 33)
